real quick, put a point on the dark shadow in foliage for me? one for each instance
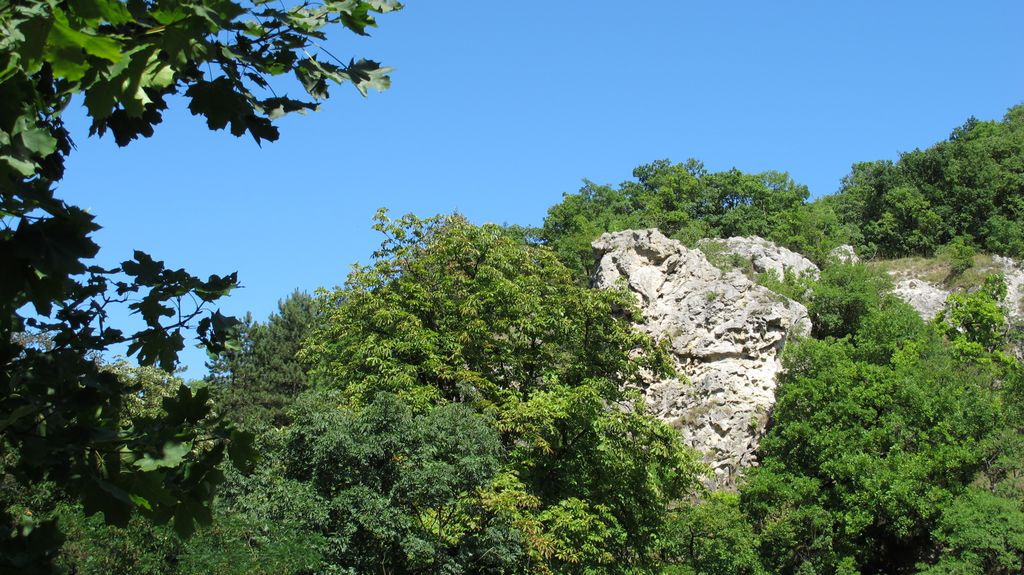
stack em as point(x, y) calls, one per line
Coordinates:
point(402, 489)
point(843, 295)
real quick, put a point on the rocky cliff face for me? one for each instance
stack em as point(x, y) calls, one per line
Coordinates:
point(1013, 275)
point(929, 299)
point(844, 254)
point(926, 298)
point(763, 255)
point(725, 334)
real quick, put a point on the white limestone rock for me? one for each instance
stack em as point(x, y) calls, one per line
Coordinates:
point(926, 298)
point(930, 299)
point(725, 334)
point(1013, 275)
point(764, 255)
point(844, 254)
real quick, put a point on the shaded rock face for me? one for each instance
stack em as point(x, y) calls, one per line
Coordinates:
point(1013, 275)
point(725, 334)
point(763, 255)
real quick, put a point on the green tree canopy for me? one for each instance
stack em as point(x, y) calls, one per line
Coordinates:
point(686, 202)
point(710, 537)
point(872, 439)
point(402, 492)
point(968, 186)
point(451, 312)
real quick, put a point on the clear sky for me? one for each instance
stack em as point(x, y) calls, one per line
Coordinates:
point(498, 108)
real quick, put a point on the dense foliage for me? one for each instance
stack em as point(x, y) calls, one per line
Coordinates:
point(464, 404)
point(63, 419)
point(455, 314)
point(464, 410)
point(686, 202)
point(262, 376)
point(866, 450)
point(967, 187)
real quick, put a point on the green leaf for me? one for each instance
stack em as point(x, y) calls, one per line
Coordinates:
point(145, 269)
point(96, 11)
point(225, 103)
point(17, 414)
point(141, 502)
point(23, 167)
point(186, 406)
point(173, 454)
point(30, 49)
point(367, 75)
point(63, 36)
point(36, 138)
point(384, 6)
point(354, 15)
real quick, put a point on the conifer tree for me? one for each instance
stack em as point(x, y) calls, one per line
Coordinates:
point(259, 381)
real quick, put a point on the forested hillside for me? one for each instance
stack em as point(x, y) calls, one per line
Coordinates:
point(477, 399)
point(466, 403)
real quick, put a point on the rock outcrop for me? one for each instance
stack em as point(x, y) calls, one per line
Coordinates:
point(844, 254)
point(926, 298)
point(929, 299)
point(1013, 275)
point(725, 334)
point(763, 255)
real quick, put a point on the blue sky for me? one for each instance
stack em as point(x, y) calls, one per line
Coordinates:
point(498, 108)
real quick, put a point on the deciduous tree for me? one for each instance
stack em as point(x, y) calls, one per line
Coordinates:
point(452, 312)
point(125, 59)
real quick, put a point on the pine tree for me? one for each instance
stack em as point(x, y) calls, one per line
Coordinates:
point(258, 382)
